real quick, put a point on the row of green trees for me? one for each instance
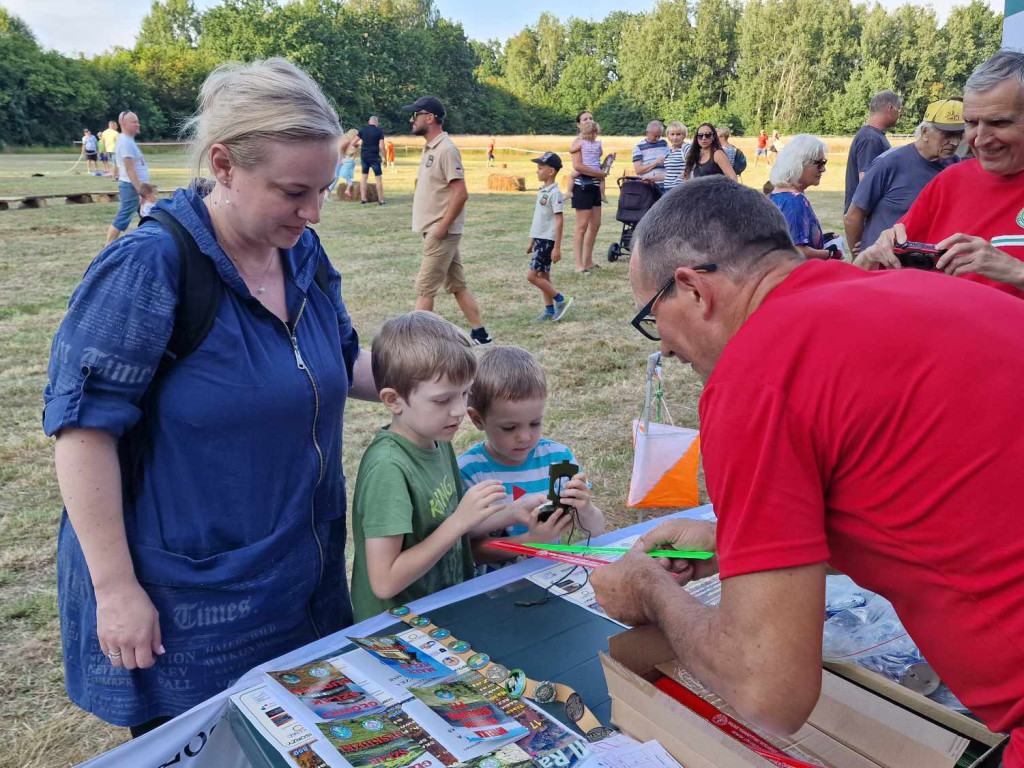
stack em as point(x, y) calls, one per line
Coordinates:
point(795, 65)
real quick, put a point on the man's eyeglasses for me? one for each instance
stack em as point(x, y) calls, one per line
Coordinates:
point(705, 135)
point(421, 112)
point(645, 321)
point(819, 164)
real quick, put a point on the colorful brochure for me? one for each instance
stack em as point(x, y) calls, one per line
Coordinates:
point(469, 712)
point(327, 691)
point(262, 708)
point(554, 745)
point(401, 656)
point(376, 742)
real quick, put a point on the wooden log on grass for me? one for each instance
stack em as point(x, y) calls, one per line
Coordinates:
point(506, 182)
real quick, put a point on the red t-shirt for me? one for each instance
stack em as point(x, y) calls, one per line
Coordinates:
point(966, 198)
point(874, 420)
point(762, 141)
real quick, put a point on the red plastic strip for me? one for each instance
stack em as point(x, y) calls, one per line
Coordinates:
point(728, 725)
point(561, 557)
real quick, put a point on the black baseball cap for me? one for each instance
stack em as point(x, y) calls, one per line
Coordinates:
point(429, 104)
point(550, 159)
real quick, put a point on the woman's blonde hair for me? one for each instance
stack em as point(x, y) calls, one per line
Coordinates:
point(589, 130)
point(243, 106)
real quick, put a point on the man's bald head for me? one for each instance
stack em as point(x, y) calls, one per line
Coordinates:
point(129, 122)
point(372, 120)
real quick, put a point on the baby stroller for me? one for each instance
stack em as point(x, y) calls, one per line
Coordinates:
point(636, 197)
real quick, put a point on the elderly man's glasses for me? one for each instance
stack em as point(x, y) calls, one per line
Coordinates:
point(819, 164)
point(645, 321)
point(705, 135)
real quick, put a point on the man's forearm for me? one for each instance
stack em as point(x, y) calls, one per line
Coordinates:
point(129, 169)
point(853, 225)
point(451, 213)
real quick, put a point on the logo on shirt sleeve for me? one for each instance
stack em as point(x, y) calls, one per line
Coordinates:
point(1020, 218)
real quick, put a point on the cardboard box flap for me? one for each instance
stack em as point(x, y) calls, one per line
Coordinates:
point(640, 649)
point(880, 730)
point(912, 700)
point(641, 710)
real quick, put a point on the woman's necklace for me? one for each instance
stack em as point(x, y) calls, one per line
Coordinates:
point(261, 288)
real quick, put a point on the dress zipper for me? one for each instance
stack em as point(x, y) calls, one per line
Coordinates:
point(301, 364)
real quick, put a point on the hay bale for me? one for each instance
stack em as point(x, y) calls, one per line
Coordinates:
point(506, 182)
point(78, 199)
point(339, 191)
point(33, 202)
point(4, 205)
point(106, 198)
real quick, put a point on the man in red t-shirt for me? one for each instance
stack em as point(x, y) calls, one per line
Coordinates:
point(975, 209)
point(868, 420)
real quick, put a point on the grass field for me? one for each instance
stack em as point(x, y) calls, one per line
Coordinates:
point(595, 364)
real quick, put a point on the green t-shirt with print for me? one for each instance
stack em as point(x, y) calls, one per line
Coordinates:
point(405, 490)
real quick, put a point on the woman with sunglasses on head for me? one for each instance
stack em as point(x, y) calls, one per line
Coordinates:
point(800, 165)
point(706, 156)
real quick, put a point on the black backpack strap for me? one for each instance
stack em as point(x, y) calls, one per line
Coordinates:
point(199, 289)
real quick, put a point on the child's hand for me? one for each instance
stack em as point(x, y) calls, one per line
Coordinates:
point(575, 492)
point(552, 529)
point(522, 507)
point(479, 503)
point(556, 254)
point(529, 246)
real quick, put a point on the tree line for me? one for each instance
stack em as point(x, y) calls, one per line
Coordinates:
point(791, 65)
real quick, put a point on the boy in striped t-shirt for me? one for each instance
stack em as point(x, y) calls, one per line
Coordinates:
point(507, 402)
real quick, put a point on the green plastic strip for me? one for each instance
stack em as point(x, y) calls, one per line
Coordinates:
point(581, 550)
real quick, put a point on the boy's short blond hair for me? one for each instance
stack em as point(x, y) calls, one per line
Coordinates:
point(146, 189)
point(417, 347)
point(506, 373)
point(589, 129)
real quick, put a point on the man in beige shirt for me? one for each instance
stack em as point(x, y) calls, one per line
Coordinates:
point(438, 213)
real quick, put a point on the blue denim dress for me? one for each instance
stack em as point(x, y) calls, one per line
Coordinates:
point(236, 524)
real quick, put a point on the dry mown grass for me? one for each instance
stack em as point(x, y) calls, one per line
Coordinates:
point(594, 360)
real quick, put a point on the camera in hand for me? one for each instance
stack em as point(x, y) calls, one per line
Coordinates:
point(917, 255)
point(558, 474)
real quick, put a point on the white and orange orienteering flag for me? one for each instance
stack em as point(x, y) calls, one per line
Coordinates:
point(665, 463)
point(665, 457)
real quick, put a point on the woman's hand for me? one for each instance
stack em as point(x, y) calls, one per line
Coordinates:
point(128, 624)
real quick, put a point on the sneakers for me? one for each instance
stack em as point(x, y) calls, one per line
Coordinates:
point(363, 202)
point(382, 202)
point(480, 337)
point(544, 317)
point(561, 307)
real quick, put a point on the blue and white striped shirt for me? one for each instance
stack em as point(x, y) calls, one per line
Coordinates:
point(675, 164)
point(531, 476)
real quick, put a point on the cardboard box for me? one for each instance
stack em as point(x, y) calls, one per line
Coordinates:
point(860, 721)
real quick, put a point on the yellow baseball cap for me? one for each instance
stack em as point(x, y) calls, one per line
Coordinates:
point(946, 115)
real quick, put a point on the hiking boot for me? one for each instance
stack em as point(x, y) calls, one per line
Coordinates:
point(561, 307)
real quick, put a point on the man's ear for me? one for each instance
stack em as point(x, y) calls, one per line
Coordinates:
point(696, 287)
point(394, 402)
point(475, 417)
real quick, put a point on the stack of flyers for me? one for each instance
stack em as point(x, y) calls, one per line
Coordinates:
point(328, 692)
point(515, 708)
point(411, 664)
point(553, 745)
point(471, 714)
point(263, 709)
point(376, 742)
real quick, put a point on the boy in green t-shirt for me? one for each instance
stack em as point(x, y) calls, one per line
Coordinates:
point(410, 516)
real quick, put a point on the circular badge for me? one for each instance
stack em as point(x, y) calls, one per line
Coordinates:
point(489, 762)
point(290, 678)
point(372, 724)
point(545, 692)
point(419, 621)
point(319, 672)
point(458, 646)
point(574, 707)
point(451, 661)
point(440, 634)
point(601, 732)
point(720, 720)
point(444, 694)
point(400, 610)
point(340, 732)
point(478, 660)
point(496, 673)
point(515, 683)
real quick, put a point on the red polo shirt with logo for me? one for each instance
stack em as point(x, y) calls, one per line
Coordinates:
point(966, 198)
point(873, 420)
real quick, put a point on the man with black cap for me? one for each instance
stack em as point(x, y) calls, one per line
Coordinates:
point(438, 213)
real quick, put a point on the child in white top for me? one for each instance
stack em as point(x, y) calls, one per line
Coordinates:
point(147, 198)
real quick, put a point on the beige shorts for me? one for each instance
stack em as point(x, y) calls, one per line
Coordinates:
point(441, 267)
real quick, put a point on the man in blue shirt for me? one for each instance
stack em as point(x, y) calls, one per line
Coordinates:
point(649, 155)
point(897, 177)
point(870, 140)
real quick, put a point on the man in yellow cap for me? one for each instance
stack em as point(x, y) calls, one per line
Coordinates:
point(896, 177)
point(974, 210)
